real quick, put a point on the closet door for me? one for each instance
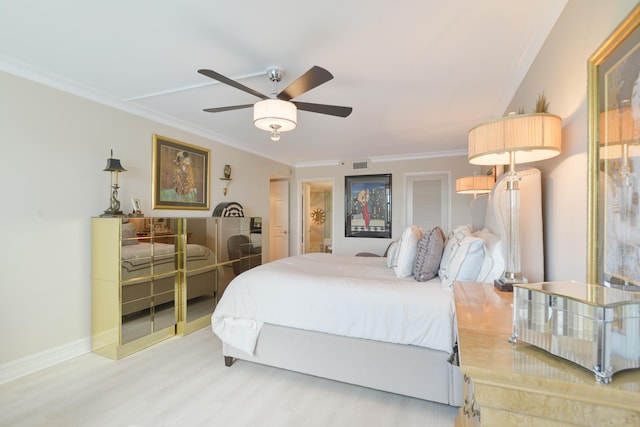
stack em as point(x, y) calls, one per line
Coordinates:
point(428, 200)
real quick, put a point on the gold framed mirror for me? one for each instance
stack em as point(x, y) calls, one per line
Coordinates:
point(614, 157)
point(317, 216)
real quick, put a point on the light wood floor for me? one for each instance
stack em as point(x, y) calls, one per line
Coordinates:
point(183, 382)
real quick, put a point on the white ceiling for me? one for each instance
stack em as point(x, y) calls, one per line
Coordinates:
point(418, 73)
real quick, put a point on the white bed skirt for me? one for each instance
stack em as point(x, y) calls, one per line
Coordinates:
point(403, 369)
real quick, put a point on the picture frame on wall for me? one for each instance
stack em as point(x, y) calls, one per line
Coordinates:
point(368, 206)
point(614, 158)
point(180, 175)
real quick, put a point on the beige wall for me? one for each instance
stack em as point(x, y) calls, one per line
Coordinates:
point(457, 166)
point(54, 147)
point(560, 70)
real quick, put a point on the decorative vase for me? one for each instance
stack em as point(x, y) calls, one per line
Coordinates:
point(227, 171)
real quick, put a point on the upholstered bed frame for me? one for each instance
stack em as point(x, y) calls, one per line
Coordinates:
point(404, 369)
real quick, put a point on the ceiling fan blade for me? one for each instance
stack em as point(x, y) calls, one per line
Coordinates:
point(226, 80)
point(312, 78)
point(332, 110)
point(232, 107)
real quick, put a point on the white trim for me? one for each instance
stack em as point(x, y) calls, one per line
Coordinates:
point(35, 362)
point(318, 163)
point(414, 156)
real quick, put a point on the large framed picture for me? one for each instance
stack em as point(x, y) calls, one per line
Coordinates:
point(368, 206)
point(180, 175)
point(614, 158)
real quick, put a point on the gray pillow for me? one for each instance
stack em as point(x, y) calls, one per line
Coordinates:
point(428, 255)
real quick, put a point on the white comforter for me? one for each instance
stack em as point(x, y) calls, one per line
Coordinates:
point(350, 296)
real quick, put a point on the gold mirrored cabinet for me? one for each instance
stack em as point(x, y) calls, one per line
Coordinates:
point(199, 274)
point(153, 278)
point(216, 250)
point(239, 247)
point(134, 272)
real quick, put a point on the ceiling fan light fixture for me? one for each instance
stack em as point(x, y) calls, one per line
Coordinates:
point(275, 133)
point(275, 115)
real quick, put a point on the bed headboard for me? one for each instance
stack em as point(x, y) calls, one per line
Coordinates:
point(490, 211)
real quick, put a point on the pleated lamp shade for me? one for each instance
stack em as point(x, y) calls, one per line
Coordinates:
point(477, 184)
point(532, 137)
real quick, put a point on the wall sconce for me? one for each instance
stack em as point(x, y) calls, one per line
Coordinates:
point(226, 180)
point(113, 166)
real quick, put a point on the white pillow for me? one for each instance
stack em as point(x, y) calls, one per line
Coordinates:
point(454, 237)
point(493, 265)
point(464, 257)
point(407, 251)
point(392, 254)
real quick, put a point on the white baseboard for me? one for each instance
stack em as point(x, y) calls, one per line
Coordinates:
point(35, 362)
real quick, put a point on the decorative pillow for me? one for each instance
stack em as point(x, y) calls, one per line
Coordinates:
point(386, 252)
point(407, 251)
point(455, 236)
point(129, 234)
point(493, 264)
point(464, 256)
point(428, 255)
point(392, 254)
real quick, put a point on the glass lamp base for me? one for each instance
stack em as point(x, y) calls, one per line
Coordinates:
point(506, 282)
point(502, 285)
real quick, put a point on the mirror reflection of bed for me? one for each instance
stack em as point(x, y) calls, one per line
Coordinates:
point(155, 277)
point(151, 269)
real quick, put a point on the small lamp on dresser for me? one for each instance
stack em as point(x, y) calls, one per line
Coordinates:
point(113, 167)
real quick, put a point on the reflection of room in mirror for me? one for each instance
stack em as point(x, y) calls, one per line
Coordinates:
point(620, 156)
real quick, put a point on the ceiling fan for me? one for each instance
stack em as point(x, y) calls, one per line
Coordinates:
point(279, 114)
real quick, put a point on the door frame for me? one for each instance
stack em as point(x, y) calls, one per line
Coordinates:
point(302, 216)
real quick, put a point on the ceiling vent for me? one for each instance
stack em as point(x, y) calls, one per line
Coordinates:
point(362, 164)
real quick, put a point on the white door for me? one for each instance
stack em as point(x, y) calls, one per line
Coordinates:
point(428, 201)
point(278, 220)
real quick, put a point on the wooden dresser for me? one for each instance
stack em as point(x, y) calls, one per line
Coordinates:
point(520, 385)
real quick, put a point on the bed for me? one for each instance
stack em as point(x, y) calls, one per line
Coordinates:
point(352, 319)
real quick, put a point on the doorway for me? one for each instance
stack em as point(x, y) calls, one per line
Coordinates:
point(278, 219)
point(317, 216)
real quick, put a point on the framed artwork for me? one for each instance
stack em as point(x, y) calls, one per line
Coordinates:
point(614, 158)
point(368, 206)
point(180, 175)
point(135, 204)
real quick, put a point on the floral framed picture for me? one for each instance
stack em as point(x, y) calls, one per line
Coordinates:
point(368, 206)
point(614, 158)
point(180, 175)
